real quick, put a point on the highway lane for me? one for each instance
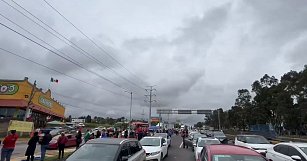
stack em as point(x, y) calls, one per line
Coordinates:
point(175, 153)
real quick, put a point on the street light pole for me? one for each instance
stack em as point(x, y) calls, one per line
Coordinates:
point(30, 101)
point(218, 113)
point(130, 110)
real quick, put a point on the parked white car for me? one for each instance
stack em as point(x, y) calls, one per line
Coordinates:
point(202, 142)
point(288, 152)
point(155, 148)
point(165, 136)
point(256, 142)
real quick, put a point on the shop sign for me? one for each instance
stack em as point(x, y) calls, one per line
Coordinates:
point(44, 101)
point(22, 126)
point(8, 88)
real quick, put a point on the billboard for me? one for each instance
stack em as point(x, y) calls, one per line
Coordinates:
point(155, 119)
point(21, 126)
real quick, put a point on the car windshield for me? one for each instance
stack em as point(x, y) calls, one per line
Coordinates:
point(197, 136)
point(219, 134)
point(94, 152)
point(203, 143)
point(236, 158)
point(256, 140)
point(150, 142)
point(304, 149)
point(161, 135)
point(56, 137)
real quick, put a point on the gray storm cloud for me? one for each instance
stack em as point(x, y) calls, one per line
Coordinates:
point(198, 55)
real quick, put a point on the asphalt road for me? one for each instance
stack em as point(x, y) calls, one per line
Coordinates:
point(175, 153)
point(20, 150)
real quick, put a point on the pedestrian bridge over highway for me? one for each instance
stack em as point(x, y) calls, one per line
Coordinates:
point(176, 111)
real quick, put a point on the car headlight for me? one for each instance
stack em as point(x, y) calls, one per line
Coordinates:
point(155, 153)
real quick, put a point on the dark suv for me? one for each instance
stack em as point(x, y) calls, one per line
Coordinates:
point(109, 149)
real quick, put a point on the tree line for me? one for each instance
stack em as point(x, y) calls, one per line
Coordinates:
point(98, 120)
point(281, 103)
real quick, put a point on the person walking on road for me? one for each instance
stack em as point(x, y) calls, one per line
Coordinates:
point(126, 134)
point(62, 140)
point(92, 136)
point(184, 135)
point(98, 134)
point(87, 135)
point(9, 143)
point(44, 144)
point(32, 146)
point(78, 139)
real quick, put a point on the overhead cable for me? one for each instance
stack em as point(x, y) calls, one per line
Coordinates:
point(91, 40)
point(57, 71)
point(53, 52)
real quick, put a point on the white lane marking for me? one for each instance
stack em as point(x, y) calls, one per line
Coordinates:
point(180, 146)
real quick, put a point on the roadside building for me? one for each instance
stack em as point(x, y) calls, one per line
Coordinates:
point(15, 96)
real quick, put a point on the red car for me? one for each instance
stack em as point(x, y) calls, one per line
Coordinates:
point(71, 141)
point(229, 153)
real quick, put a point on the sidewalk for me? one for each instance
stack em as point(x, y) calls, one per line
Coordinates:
point(49, 153)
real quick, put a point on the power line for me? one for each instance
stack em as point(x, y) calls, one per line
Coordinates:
point(76, 99)
point(90, 71)
point(44, 66)
point(74, 46)
point(74, 106)
point(91, 40)
point(38, 38)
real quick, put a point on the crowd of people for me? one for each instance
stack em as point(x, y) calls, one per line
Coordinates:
point(138, 133)
point(9, 144)
point(10, 140)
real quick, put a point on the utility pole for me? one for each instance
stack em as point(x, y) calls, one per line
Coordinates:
point(168, 120)
point(130, 119)
point(30, 101)
point(143, 115)
point(130, 110)
point(150, 102)
point(218, 113)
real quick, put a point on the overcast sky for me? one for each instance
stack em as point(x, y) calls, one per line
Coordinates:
point(197, 53)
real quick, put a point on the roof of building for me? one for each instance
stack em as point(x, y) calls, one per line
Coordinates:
point(231, 149)
point(113, 141)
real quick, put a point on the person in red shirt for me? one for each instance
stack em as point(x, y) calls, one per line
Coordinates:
point(8, 146)
point(62, 140)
